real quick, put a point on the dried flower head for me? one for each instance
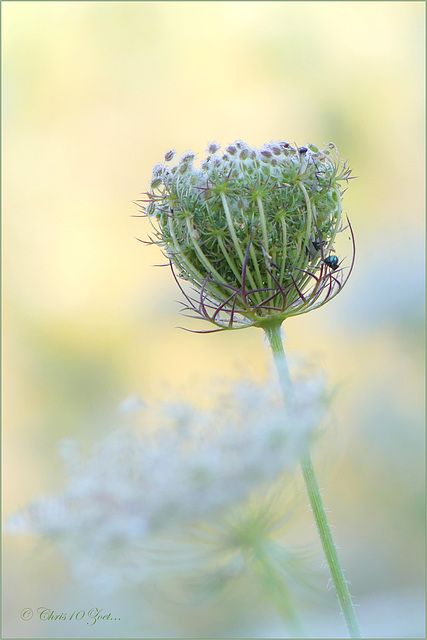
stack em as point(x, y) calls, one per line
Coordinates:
point(252, 229)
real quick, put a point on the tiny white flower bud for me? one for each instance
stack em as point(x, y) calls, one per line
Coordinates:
point(213, 148)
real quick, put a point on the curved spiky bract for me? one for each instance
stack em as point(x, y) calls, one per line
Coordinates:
point(250, 229)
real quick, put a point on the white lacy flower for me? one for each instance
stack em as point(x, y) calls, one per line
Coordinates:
point(181, 466)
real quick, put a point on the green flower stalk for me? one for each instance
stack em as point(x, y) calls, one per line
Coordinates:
point(254, 232)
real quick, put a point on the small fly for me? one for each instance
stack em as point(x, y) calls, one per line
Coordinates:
point(332, 262)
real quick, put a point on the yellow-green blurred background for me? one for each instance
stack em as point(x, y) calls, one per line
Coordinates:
point(94, 93)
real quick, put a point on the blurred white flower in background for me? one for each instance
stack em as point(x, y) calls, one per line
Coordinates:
point(180, 471)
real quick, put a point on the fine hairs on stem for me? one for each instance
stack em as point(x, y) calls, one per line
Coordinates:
point(274, 336)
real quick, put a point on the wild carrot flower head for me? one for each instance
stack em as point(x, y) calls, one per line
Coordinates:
point(253, 230)
point(179, 467)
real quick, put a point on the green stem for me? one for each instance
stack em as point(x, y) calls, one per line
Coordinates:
point(235, 239)
point(341, 588)
point(275, 339)
point(263, 221)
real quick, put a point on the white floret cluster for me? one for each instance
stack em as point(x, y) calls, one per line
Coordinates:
point(180, 466)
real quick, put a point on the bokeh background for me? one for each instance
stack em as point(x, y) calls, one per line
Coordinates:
point(94, 93)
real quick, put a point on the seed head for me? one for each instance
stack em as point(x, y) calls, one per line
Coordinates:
point(253, 230)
